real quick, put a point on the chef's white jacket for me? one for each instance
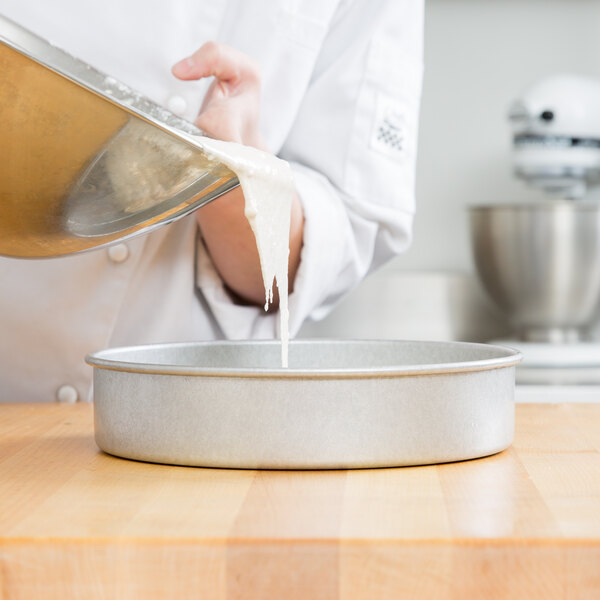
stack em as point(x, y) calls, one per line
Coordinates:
point(340, 96)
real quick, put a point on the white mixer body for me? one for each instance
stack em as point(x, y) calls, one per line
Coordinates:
point(556, 134)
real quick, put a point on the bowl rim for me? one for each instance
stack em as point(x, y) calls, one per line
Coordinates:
point(541, 205)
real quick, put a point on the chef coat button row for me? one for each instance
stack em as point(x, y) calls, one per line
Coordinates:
point(118, 253)
point(67, 394)
point(177, 105)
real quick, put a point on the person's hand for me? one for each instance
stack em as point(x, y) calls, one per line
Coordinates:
point(230, 112)
point(231, 107)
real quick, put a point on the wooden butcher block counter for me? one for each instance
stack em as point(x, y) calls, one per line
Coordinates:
point(77, 523)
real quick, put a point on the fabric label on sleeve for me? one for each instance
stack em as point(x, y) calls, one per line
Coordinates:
point(389, 135)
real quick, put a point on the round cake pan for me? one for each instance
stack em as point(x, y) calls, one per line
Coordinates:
point(340, 405)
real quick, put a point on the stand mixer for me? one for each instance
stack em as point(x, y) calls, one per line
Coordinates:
point(539, 260)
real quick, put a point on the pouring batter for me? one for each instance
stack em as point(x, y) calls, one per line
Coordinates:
point(268, 187)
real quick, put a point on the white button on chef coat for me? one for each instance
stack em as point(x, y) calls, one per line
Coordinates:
point(177, 105)
point(332, 71)
point(118, 253)
point(67, 394)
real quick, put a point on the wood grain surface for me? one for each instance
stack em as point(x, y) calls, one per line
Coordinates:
point(78, 523)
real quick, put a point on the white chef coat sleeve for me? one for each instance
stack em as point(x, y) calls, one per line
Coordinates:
point(352, 149)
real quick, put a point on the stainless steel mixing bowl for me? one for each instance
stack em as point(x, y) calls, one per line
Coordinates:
point(85, 159)
point(540, 263)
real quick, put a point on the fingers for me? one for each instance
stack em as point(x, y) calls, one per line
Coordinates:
point(231, 106)
point(217, 60)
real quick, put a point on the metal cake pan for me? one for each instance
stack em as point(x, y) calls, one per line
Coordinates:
point(341, 404)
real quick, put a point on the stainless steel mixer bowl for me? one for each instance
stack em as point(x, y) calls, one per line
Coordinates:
point(540, 264)
point(85, 159)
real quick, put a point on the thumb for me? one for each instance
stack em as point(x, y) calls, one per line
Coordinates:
point(212, 59)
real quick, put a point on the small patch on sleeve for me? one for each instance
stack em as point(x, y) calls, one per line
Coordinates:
point(389, 134)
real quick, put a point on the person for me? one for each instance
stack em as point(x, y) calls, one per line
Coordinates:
point(332, 86)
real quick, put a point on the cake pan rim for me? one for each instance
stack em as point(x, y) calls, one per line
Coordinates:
point(104, 359)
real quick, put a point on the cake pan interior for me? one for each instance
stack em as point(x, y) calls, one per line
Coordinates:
point(341, 404)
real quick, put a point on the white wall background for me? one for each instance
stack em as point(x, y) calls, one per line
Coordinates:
point(479, 55)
